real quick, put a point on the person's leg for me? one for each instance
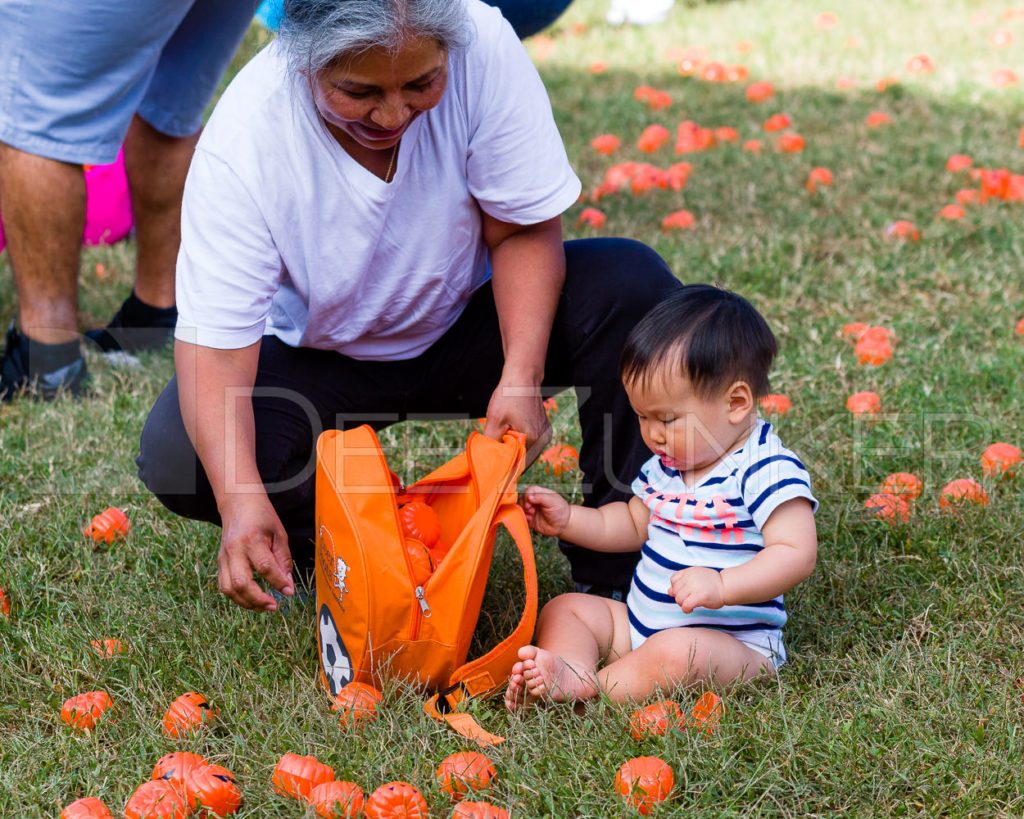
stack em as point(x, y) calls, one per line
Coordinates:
point(576, 633)
point(680, 657)
point(44, 215)
point(158, 149)
point(610, 285)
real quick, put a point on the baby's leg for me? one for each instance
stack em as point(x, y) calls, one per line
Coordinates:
point(575, 633)
point(679, 657)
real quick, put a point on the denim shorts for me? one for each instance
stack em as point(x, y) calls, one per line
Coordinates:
point(73, 74)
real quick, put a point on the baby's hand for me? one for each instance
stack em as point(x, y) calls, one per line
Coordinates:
point(698, 587)
point(547, 512)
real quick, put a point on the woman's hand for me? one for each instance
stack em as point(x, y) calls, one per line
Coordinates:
point(547, 512)
point(519, 408)
point(697, 587)
point(253, 538)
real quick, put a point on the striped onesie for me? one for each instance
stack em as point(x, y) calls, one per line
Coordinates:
point(715, 524)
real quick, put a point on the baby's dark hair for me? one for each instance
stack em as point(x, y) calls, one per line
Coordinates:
point(712, 336)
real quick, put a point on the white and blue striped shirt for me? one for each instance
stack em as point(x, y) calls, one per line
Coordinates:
point(715, 524)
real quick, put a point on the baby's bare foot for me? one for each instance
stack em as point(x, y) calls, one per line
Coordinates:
point(549, 677)
point(516, 691)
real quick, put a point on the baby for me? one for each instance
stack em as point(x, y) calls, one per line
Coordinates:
point(723, 512)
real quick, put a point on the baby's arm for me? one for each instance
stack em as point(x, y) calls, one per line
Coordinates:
point(788, 557)
point(614, 527)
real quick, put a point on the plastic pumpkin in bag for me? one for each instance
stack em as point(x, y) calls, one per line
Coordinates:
point(109, 525)
point(82, 711)
point(337, 800)
point(296, 775)
point(187, 713)
point(174, 767)
point(156, 799)
point(357, 703)
point(461, 772)
point(420, 521)
point(655, 719)
point(478, 810)
point(644, 782)
point(88, 807)
point(212, 788)
point(421, 562)
point(396, 800)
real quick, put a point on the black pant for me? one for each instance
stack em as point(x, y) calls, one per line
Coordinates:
point(299, 392)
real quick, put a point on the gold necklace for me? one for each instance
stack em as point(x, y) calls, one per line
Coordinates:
point(391, 164)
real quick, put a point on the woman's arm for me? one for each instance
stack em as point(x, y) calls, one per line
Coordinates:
point(214, 390)
point(528, 271)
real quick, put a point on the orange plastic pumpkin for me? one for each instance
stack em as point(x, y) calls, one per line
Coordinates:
point(396, 800)
point(1000, 38)
point(156, 799)
point(109, 525)
point(876, 333)
point(420, 521)
point(760, 91)
point(999, 459)
point(778, 122)
point(460, 772)
point(854, 330)
point(421, 564)
point(818, 177)
point(337, 800)
point(707, 712)
point(187, 713)
point(212, 788)
point(826, 20)
point(82, 711)
point(961, 492)
point(560, 458)
point(174, 767)
point(958, 162)
point(905, 484)
point(1019, 329)
point(478, 810)
point(1004, 77)
point(592, 217)
point(107, 649)
point(655, 719)
point(952, 212)
point(872, 351)
point(861, 403)
point(644, 782)
point(920, 64)
point(752, 146)
point(5, 603)
point(902, 229)
point(679, 220)
point(296, 775)
point(877, 118)
point(888, 507)
point(653, 138)
point(790, 143)
point(88, 807)
point(776, 403)
point(357, 703)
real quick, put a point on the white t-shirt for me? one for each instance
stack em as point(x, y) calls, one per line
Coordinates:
point(284, 233)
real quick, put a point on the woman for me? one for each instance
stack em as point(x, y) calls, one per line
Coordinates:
point(371, 232)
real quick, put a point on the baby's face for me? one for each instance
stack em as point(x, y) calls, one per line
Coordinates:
point(688, 432)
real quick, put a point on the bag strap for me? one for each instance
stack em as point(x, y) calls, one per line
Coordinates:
point(487, 674)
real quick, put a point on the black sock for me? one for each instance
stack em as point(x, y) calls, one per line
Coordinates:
point(136, 313)
point(38, 358)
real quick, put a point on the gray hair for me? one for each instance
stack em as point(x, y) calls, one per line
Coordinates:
point(319, 33)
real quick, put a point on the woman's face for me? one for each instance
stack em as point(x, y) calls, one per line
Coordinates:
point(373, 97)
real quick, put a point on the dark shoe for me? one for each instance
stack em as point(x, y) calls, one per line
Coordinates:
point(41, 371)
point(611, 592)
point(136, 327)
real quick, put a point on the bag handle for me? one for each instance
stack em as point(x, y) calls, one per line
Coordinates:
point(486, 674)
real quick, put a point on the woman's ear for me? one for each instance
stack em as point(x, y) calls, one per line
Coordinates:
point(741, 401)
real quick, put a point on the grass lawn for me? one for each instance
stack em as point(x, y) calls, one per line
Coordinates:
point(899, 697)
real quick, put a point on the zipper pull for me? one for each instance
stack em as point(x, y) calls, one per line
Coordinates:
point(423, 601)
